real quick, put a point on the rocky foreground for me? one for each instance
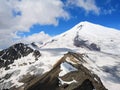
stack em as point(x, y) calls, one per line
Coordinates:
point(67, 74)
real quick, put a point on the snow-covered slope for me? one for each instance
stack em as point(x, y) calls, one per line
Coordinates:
point(99, 45)
point(24, 66)
point(106, 38)
point(67, 74)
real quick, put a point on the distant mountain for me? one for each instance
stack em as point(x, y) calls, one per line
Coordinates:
point(15, 52)
point(86, 57)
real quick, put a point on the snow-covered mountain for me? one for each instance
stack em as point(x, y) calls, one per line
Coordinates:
point(87, 33)
point(8, 56)
point(99, 45)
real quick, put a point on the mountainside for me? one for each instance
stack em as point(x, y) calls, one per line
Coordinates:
point(93, 61)
point(15, 52)
point(86, 34)
point(67, 74)
point(12, 59)
point(100, 44)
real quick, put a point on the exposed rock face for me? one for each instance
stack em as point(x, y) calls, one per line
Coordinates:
point(36, 54)
point(86, 85)
point(14, 52)
point(79, 77)
point(84, 43)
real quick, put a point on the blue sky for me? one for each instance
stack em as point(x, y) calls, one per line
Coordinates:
point(21, 20)
point(110, 18)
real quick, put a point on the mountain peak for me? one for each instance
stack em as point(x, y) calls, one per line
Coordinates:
point(85, 22)
point(89, 33)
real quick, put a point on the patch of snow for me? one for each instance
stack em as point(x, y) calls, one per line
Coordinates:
point(66, 68)
point(66, 82)
point(96, 79)
point(23, 61)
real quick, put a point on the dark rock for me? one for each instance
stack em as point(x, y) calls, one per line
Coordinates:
point(26, 78)
point(86, 85)
point(37, 54)
point(84, 44)
point(7, 76)
point(93, 46)
point(33, 44)
point(78, 42)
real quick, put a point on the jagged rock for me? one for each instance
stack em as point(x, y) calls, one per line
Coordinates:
point(37, 54)
point(86, 85)
point(7, 76)
point(33, 44)
point(93, 46)
point(78, 42)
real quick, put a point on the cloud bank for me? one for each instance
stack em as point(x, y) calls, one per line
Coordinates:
point(19, 15)
point(40, 37)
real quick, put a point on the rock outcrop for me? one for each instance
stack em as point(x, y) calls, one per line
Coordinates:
point(85, 44)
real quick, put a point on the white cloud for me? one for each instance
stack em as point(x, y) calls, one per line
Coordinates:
point(108, 11)
point(40, 11)
point(87, 5)
point(36, 37)
point(43, 12)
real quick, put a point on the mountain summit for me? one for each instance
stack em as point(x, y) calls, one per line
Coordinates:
point(86, 57)
point(86, 34)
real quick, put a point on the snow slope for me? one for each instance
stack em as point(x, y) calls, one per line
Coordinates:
point(106, 38)
point(105, 62)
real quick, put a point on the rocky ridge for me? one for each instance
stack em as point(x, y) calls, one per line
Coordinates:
point(75, 76)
